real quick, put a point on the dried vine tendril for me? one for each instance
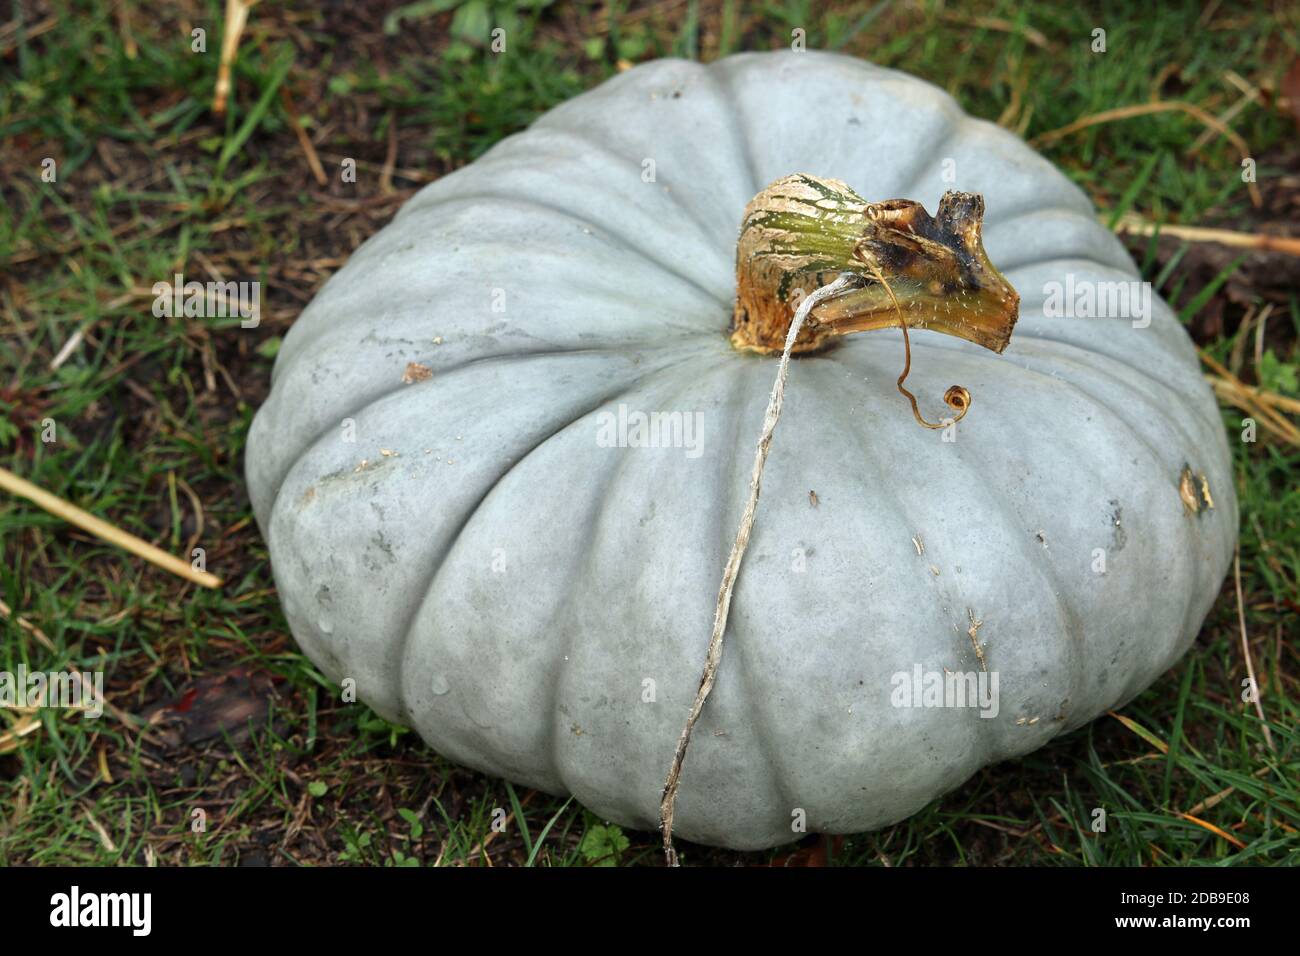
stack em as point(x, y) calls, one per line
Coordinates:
point(957, 397)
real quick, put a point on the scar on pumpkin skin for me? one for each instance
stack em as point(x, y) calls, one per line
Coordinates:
point(973, 631)
point(1194, 490)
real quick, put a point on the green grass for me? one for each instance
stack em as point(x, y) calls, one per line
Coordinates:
point(151, 416)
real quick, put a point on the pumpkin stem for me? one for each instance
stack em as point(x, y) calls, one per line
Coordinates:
point(957, 396)
point(919, 271)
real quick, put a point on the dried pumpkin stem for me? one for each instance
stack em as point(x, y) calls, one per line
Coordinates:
point(957, 397)
point(802, 231)
point(723, 607)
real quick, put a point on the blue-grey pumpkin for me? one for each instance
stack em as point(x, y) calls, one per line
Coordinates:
point(449, 529)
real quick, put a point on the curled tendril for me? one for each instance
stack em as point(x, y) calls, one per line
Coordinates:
point(957, 397)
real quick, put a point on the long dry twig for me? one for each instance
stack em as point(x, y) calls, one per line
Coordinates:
point(102, 529)
point(1258, 241)
point(732, 569)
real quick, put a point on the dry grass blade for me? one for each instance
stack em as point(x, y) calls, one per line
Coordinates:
point(1036, 37)
point(1271, 399)
point(12, 738)
point(1249, 95)
point(390, 158)
point(1256, 692)
point(1141, 731)
point(129, 46)
point(1262, 405)
point(1213, 829)
point(7, 612)
point(1146, 109)
point(13, 32)
point(308, 149)
point(102, 529)
point(236, 19)
point(1239, 394)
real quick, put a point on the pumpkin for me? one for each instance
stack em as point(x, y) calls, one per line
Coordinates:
point(507, 446)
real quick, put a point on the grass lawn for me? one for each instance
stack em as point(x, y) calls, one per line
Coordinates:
point(150, 414)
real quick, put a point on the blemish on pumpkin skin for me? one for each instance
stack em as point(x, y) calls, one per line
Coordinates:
point(973, 631)
point(1205, 492)
point(1194, 492)
point(1119, 537)
point(415, 372)
point(364, 471)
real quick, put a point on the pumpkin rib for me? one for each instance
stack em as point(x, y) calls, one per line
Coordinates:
point(545, 129)
point(1066, 351)
point(722, 80)
point(1044, 330)
point(881, 501)
point(829, 80)
point(291, 460)
point(1052, 221)
point(408, 632)
point(347, 300)
point(597, 228)
point(344, 333)
point(1149, 402)
point(980, 480)
point(979, 137)
point(1179, 395)
point(940, 137)
point(1138, 679)
point(1052, 587)
point(672, 92)
point(587, 140)
point(1105, 410)
point(750, 390)
point(881, 511)
point(891, 502)
point(736, 395)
